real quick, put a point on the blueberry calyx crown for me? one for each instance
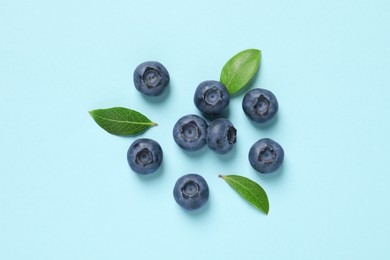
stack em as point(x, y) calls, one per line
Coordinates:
point(232, 135)
point(144, 157)
point(267, 155)
point(262, 105)
point(190, 189)
point(190, 131)
point(213, 96)
point(151, 77)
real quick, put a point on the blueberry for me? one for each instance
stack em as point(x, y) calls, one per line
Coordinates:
point(260, 105)
point(151, 78)
point(266, 155)
point(189, 132)
point(221, 135)
point(211, 97)
point(191, 191)
point(144, 156)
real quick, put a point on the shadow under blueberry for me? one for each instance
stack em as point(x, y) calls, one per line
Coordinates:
point(224, 114)
point(195, 154)
point(152, 176)
point(197, 213)
point(272, 176)
point(228, 157)
point(266, 125)
point(158, 99)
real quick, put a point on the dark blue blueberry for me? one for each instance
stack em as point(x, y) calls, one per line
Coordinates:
point(144, 156)
point(266, 155)
point(260, 105)
point(189, 132)
point(211, 97)
point(221, 135)
point(151, 78)
point(191, 191)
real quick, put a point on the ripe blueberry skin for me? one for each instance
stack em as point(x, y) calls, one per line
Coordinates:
point(211, 97)
point(221, 135)
point(266, 155)
point(260, 105)
point(144, 156)
point(151, 78)
point(191, 191)
point(190, 132)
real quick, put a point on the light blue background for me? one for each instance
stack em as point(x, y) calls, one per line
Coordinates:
point(66, 191)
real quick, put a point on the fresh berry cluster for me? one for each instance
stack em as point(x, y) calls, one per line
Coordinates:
point(192, 132)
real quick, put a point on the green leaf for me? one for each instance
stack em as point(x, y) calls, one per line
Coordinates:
point(121, 121)
point(240, 69)
point(249, 190)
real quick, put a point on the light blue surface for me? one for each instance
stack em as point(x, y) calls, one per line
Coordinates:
point(66, 191)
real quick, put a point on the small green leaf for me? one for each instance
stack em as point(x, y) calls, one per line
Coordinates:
point(121, 121)
point(240, 69)
point(249, 190)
